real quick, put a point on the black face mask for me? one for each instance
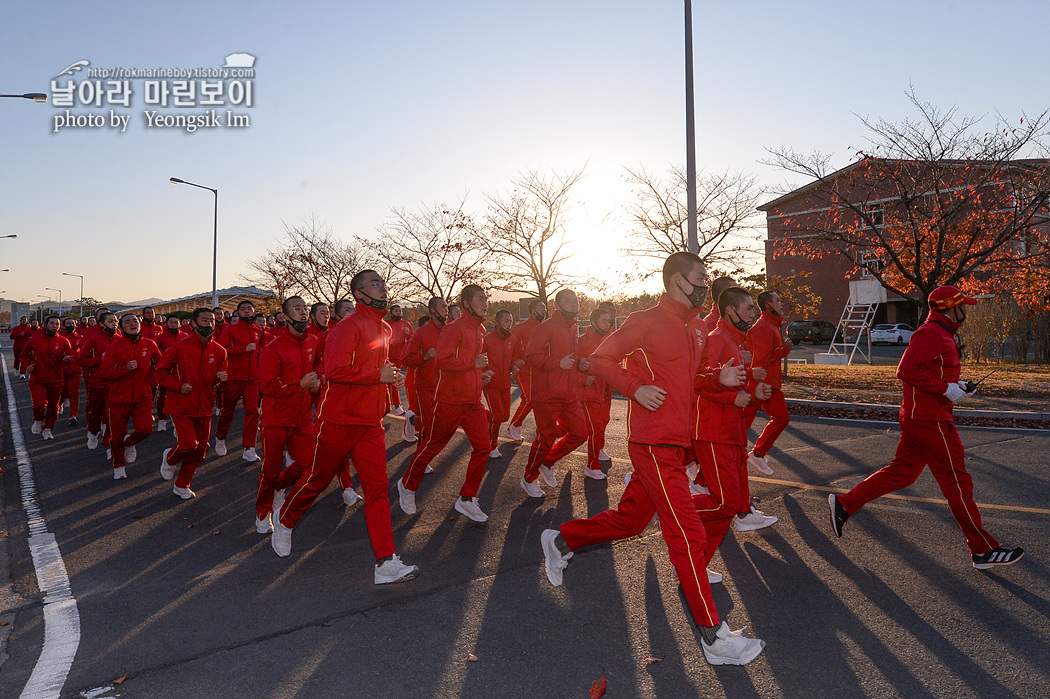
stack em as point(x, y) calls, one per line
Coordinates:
point(770, 311)
point(148, 321)
point(395, 318)
point(740, 324)
point(51, 333)
point(134, 338)
point(440, 319)
point(203, 332)
point(568, 315)
point(70, 329)
point(173, 331)
point(374, 303)
point(601, 333)
point(502, 332)
point(111, 331)
point(697, 296)
point(299, 326)
point(539, 317)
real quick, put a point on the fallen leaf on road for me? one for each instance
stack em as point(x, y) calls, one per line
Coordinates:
point(4, 623)
point(138, 516)
point(471, 657)
point(887, 430)
point(216, 533)
point(650, 660)
point(190, 526)
point(598, 687)
point(452, 518)
point(120, 680)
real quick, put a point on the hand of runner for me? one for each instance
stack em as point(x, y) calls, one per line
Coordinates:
point(650, 397)
point(742, 400)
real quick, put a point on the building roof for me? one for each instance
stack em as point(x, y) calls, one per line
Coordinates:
point(229, 292)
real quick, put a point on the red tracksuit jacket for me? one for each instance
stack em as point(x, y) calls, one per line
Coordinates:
point(422, 340)
point(286, 361)
point(661, 349)
point(47, 353)
point(129, 386)
point(458, 347)
point(554, 339)
point(500, 350)
point(929, 364)
point(355, 350)
point(243, 366)
point(150, 332)
point(20, 336)
point(599, 391)
point(187, 361)
point(522, 333)
point(400, 334)
point(717, 419)
point(766, 345)
point(75, 341)
point(90, 358)
point(167, 338)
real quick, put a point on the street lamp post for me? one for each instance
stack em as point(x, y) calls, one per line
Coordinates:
point(51, 288)
point(215, 237)
point(67, 274)
point(40, 310)
point(690, 136)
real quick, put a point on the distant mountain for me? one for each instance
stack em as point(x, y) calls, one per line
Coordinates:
point(135, 304)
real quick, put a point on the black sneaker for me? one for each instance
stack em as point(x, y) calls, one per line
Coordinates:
point(73, 421)
point(1000, 556)
point(838, 514)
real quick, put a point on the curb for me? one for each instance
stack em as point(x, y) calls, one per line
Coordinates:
point(960, 412)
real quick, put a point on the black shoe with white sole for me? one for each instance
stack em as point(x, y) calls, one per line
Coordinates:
point(1001, 556)
point(838, 514)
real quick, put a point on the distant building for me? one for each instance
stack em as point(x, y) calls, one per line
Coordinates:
point(228, 300)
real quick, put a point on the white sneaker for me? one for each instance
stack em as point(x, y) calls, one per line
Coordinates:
point(408, 432)
point(691, 469)
point(167, 471)
point(760, 463)
point(350, 497)
point(470, 508)
point(533, 490)
point(288, 460)
point(394, 570)
point(602, 456)
point(731, 647)
point(755, 519)
point(428, 469)
point(407, 498)
point(38, 425)
point(22, 376)
point(495, 454)
point(46, 434)
point(264, 526)
point(220, 447)
point(514, 433)
point(397, 410)
point(130, 454)
point(109, 454)
point(549, 476)
point(63, 406)
point(162, 425)
point(103, 430)
point(595, 473)
point(119, 473)
point(92, 440)
point(216, 410)
point(281, 539)
point(553, 561)
point(713, 578)
point(249, 455)
point(697, 489)
point(184, 493)
point(278, 503)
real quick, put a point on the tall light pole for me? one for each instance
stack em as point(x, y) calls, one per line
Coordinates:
point(690, 136)
point(40, 309)
point(67, 274)
point(215, 236)
point(51, 288)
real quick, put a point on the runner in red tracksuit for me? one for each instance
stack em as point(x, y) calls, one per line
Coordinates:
point(45, 358)
point(930, 371)
point(90, 360)
point(71, 386)
point(400, 334)
point(172, 334)
point(288, 380)
point(420, 353)
point(242, 340)
point(595, 394)
point(499, 346)
point(128, 365)
point(663, 355)
point(522, 334)
point(353, 403)
point(20, 335)
point(462, 368)
point(316, 313)
point(768, 349)
point(554, 356)
point(190, 370)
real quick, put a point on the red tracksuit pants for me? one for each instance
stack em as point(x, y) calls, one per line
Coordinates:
point(597, 418)
point(499, 411)
point(46, 397)
point(300, 442)
point(96, 411)
point(425, 399)
point(474, 420)
point(545, 451)
point(393, 392)
point(937, 445)
point(366, 445)
point(777, 410)
point(723, 468)
point(410, 390)
point(162, 394)
point(525, 405)
point(232, 391)
point(193, 434)
point(659, 486)
point(71, 392)
point(141, 416)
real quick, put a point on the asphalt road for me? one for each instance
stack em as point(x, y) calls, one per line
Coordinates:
point(187, 600)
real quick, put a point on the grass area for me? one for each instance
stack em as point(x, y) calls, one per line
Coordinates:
point(1012, 387)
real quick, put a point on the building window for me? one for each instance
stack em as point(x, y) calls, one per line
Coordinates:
point(873, 212)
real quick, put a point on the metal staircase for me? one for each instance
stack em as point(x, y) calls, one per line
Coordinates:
point(855, 324)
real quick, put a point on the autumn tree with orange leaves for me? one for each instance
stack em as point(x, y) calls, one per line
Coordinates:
point(934, 201)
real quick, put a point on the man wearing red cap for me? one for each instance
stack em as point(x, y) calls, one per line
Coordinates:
point(930, 370)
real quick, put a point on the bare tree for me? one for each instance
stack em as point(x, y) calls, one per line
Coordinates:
point(428, 252)
point(727, 220)
point(524, 235)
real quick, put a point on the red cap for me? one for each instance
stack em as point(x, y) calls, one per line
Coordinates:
point(945, 297)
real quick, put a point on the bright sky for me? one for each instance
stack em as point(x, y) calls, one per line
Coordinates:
point(360, 106)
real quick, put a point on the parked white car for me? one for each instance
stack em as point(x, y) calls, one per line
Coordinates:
point(895, 334)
